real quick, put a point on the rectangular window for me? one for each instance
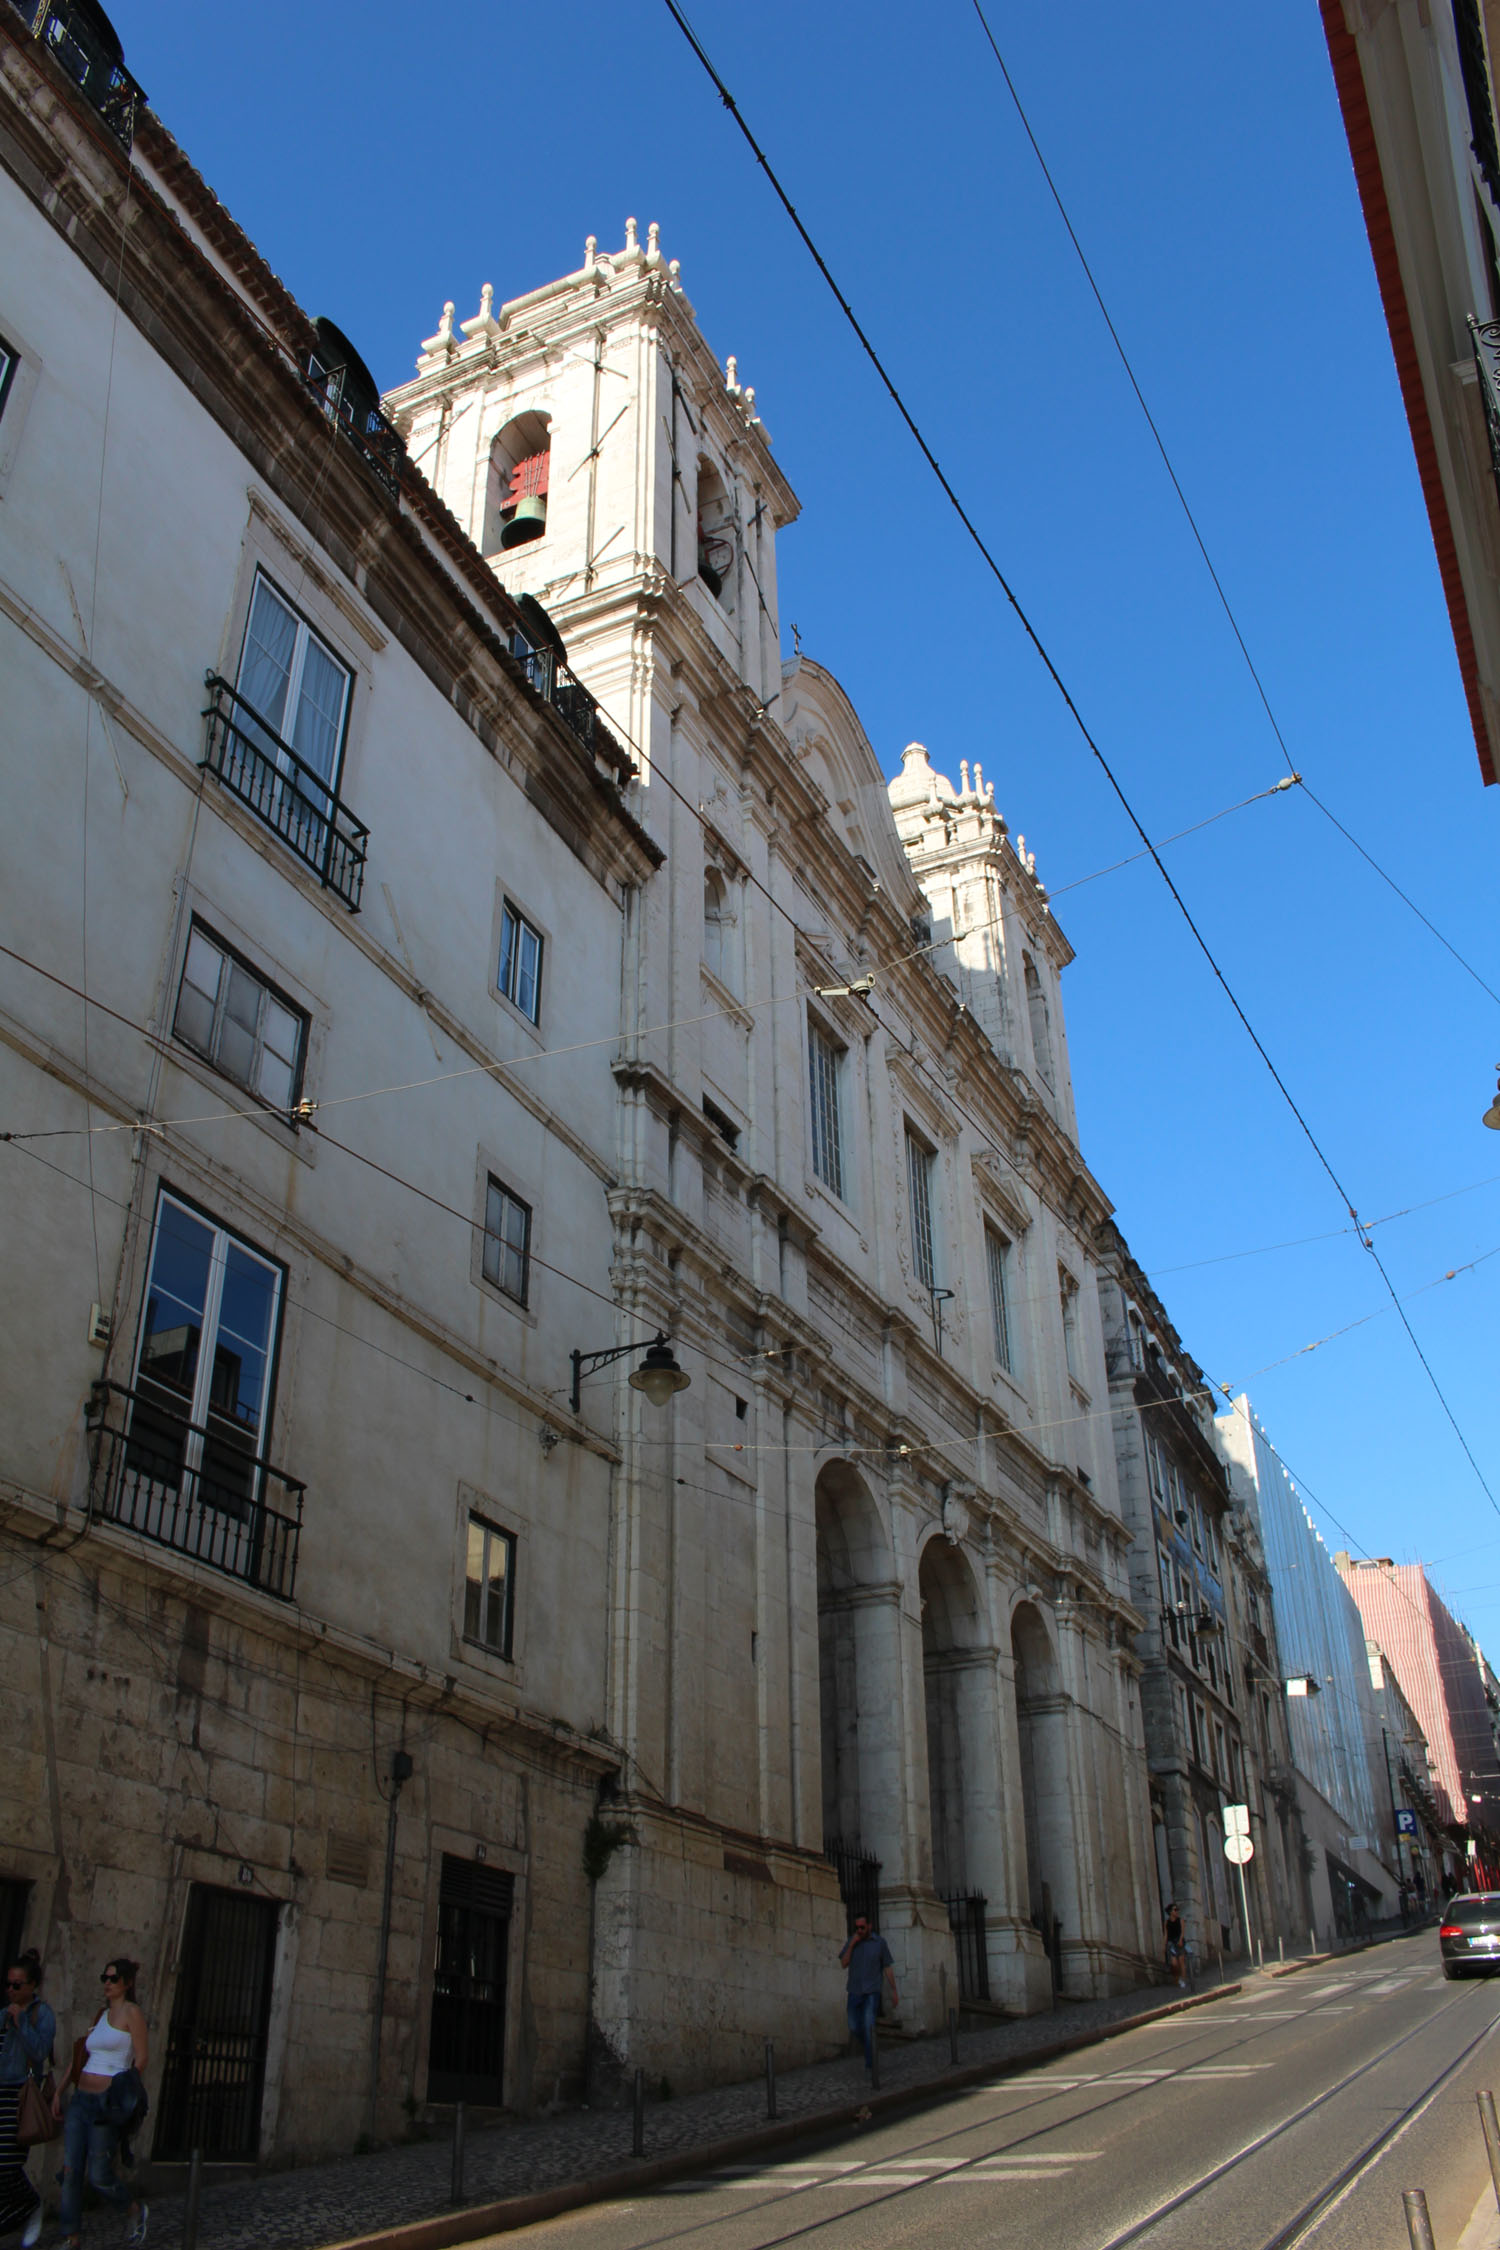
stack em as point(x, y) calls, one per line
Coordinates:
point(239, 1023)
point(824, 1066)
point(919, 1192)
point(204, 1359)
point(490, 1587)
point(294, 683)
point(520, 977)
point(997, 1258)
point(507, 1240)
point(1072, 1346)
point(1221, 1758)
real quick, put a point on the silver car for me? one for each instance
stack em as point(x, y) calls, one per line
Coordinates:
point(1470, 1934)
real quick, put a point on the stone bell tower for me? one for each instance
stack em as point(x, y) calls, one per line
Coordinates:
point(590, 445)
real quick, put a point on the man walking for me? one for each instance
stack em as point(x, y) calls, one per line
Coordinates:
point(867, 1957)
point(1176, 1945)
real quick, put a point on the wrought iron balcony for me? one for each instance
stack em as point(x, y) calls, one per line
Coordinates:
point(345, 395)
point(1486, 337)
point(193, 1487)
point(266, 774)
point(80, 37)
point(549, 674)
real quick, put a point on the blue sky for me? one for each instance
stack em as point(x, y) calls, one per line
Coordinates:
point(384, 160)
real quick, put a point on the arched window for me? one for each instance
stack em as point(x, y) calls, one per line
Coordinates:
point(716, 535)
point(1041, 1026)
point(515, 501)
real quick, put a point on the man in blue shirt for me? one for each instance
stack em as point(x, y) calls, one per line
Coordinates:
point(866, 1957)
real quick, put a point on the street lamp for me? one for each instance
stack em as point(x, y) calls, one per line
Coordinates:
point(658, 1377)
point(1491, 1116)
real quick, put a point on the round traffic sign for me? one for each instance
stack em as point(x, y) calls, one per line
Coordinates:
point(1238, 1849)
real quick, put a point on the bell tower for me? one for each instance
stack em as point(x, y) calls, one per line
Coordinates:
point(593, 449)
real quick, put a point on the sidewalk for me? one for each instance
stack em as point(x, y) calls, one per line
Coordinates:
point(340, 2200)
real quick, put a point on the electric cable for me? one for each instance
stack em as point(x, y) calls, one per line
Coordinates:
point(1192, 521)
point(1088, 737)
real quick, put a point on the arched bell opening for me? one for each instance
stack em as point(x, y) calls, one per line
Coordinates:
point(717, 544)
point(516, 489)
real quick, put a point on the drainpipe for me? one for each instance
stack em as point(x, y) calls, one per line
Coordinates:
point(401, 1773)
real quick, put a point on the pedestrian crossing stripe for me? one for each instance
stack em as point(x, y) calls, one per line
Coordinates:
point(895, 2171)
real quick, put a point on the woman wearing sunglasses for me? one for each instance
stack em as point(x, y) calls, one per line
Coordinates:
point(95, 2121)
point(27, 2030)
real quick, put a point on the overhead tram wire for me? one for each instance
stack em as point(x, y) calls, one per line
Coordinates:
point(1192, 521)
point(1085, 732)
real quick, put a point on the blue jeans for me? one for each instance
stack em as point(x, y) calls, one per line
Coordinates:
point(862, 2010)
point(89, 2142)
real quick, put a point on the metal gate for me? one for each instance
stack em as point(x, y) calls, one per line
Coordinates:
point(466, 2056)
point(216, 2047)
point(859, 1880)
point(966, 1920)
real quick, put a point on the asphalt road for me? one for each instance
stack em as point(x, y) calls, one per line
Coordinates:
point(1226, 2129)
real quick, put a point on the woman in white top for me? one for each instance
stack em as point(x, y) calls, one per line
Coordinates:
point(115, 2043)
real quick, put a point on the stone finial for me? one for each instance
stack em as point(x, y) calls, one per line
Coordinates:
point(963, 777)
point(732, 376)
point(653, 244)
point(442, 342)
point(979, 781)
point(484, 323)
point(674, 271)
point(590, 253)
point(632, 243)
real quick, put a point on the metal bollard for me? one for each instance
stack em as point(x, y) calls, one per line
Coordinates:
point(1491, 2137)
point(1312, 1941)
point(456, 2179)
point(638, 2132)
point(1280, 1948)
point(875, 2052)
point(194, 2198)
point(1418, 2224)
point(1260, 1954)
point(770, 2078)
point(953, 2037)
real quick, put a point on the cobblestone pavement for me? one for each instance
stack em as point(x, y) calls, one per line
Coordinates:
point(321, 2203)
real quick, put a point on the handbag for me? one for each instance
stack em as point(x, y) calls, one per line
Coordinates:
point(35, 2122)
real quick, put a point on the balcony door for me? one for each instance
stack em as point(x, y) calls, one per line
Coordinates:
point(202, 1387)
point(294, 683)
point(466, 2054)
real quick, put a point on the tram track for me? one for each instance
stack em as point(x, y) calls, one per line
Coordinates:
point(1292, 2233)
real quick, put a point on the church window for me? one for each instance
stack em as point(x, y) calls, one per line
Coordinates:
point(919, 1163)
point(825, 1076)
point(1041, 1026)
point(997, 1252)
point(716, 535)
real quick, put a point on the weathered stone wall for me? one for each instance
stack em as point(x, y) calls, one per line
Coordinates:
point(161, 1735)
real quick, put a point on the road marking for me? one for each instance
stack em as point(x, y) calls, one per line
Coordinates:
point(1326, 1991)
point(1223, 2070)
point(895, 2171)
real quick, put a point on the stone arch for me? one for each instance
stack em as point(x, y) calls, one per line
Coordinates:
point(960, 1749)
point(718, 542)
point(858, 1665)
point(718, 925)
point(1042, 1739)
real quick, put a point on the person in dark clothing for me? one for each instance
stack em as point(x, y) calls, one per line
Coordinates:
point(27, 2030)
point(867, 1958)
point(1176, 1936)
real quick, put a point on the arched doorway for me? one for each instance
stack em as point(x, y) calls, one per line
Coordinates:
point(1041, 1728)
point(858, 1680)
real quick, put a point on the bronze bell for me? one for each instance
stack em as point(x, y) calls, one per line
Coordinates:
point(528, 522)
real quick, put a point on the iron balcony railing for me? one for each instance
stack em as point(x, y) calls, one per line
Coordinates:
point(372, 436)
point(194, 1487)
point(547, 672)
point(1486, 335)
point(966, 1911)
point(858, 1872)
point(266, 774)
point(79, 41)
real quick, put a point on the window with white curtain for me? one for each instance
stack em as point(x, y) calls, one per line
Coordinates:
point(997, 1252)
point(238, 1022)
point(490, 1587)
point(919, 1203)
point(507, 1240)
point(520, 977)
point(825, 1073)
point(294, 683)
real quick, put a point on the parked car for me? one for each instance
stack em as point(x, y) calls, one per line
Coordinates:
point(1469, 1934)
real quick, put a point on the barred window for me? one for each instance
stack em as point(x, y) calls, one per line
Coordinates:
point(507, 1240)
point(490, 1587)
point(825, 1070)
point(997, 1258)
point(919, 1192)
